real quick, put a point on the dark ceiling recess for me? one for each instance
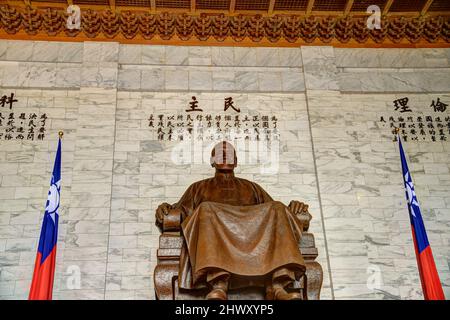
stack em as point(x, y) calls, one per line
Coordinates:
point(362, 5)
point(298, 5)
point(183, 4)
point(262, 5)
point(329, 5)
point(407, 5)
point(49, 1)
point(134, 3)
point(440, 5)
point(212, 4)
point(92, 2)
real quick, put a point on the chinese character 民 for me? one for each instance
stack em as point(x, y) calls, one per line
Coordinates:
point(439, 106)
point(230, 103)
point(193, 105)
point(7, 100)
point(402, 104)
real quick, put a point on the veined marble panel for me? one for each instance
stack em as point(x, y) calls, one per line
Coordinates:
point(320, 68)
point(205, 78)
point(374, 81)
point(362, 190)
point(392, 58)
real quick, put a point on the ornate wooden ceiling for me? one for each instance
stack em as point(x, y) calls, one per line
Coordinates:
point(404, 23)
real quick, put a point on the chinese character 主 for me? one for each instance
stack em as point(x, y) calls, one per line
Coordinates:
point(193, 105)
point(402, 104)
point(439, 106)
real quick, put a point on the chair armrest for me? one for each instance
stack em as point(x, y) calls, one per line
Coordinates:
point(172, 221)
point(305, 218)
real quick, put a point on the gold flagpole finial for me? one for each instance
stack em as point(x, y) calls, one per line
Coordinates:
point(396, 130)
point(60, 134)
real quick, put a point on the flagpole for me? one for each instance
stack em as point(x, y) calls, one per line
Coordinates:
point(397, 130)
point(41, 287)
point(429, 277)
point(416, 249)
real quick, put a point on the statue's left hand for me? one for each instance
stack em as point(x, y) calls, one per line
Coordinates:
point(298, 207)
point(163, 210)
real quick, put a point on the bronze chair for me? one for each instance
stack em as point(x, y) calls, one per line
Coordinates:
point(168, 254)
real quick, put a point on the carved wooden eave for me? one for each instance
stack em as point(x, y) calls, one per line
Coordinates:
point(424, 23)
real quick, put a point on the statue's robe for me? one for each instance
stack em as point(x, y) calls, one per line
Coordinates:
point(231, 225)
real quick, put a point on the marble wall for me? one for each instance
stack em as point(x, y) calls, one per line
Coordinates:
point(334, 154)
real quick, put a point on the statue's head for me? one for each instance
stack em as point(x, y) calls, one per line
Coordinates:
point(223, 156)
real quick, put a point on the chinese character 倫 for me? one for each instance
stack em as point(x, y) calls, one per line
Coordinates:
point(439, 106)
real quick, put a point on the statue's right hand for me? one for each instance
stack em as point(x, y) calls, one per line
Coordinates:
point(163, 210)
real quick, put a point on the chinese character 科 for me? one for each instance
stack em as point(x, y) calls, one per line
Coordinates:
point(229, 103)
point(7, 100)
point(193, 105)
point(439, 106)
point(402, 104)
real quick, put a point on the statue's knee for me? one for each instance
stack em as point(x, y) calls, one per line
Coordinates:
point(204, 205)
point(278, 209)
point(205, 210)
point(278, 206)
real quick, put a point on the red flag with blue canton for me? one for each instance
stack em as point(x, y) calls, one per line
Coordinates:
point(44, 269)
point(429, 277)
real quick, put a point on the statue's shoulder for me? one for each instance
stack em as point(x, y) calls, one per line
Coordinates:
point(252, 184)
point(245, 181)
point(200, 183)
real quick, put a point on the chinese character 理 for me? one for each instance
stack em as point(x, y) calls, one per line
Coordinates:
point(402, 104)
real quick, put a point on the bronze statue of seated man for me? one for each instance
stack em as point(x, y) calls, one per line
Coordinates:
point(236, 235)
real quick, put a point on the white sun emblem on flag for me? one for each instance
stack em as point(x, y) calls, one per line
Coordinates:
point(53, 199)
point(412, 199)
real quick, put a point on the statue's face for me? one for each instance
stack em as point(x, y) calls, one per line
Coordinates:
point(223, 157)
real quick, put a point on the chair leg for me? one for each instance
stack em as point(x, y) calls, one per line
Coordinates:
point(305, 287)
